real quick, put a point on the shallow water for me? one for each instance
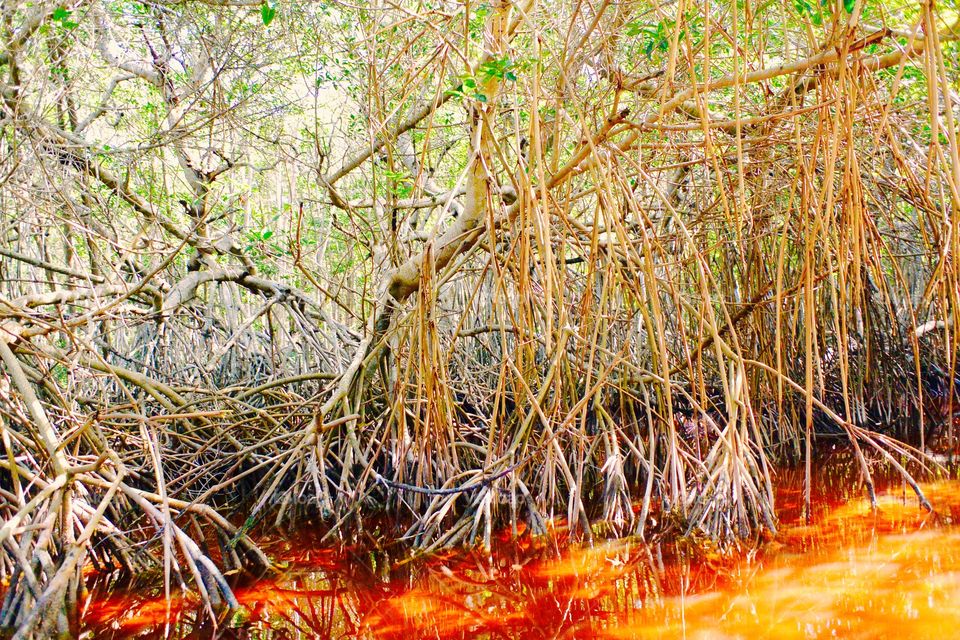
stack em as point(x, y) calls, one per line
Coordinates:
point(852, 573)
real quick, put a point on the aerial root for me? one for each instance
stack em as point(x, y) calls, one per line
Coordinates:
point(48, 539)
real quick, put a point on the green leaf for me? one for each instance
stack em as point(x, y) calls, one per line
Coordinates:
point(849, 5)
point(62, 16)
point(268, 12)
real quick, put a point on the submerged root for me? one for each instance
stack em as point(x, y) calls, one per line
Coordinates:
point(49, 538)
point(65, 507)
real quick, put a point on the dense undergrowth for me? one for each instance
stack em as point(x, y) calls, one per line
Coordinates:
point(469, 265)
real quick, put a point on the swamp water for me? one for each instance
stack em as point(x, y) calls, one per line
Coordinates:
point(852, 573)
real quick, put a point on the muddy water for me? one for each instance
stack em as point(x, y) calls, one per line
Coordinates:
point(852, 573)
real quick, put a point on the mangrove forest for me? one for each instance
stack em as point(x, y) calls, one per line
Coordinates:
point(479, 318)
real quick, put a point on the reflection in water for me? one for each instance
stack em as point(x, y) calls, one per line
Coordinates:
point(852, 574)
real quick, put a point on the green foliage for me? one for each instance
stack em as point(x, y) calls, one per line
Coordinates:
point(468, 89)
point(268, 11)
point(477, 21)
point(814, 10)
point(501, 69)
point(61, 16)
point(655, 37)
point(401, 185)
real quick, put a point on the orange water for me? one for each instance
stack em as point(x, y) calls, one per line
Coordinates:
point(851, 574)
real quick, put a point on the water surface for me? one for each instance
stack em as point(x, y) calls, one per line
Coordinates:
point(852, 573)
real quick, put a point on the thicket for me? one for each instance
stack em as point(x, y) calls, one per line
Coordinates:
point(470, 264)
